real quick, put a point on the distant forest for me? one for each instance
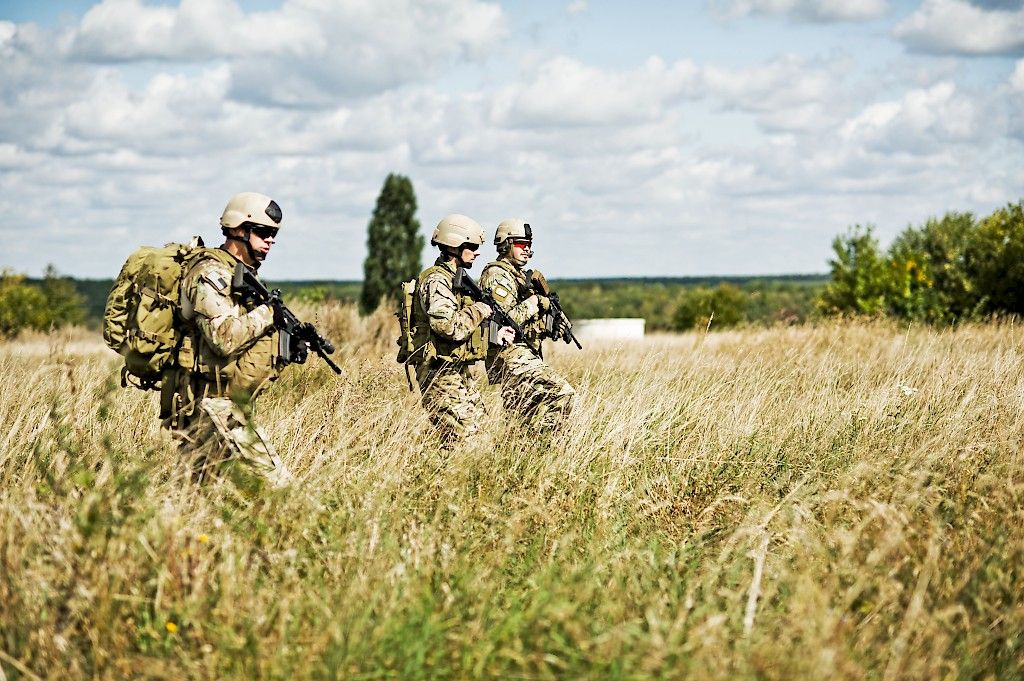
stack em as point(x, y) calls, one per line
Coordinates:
point(667, 303)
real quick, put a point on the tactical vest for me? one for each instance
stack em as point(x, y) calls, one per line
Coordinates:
point(533, 328)
point(437, 348)
point(247, 371)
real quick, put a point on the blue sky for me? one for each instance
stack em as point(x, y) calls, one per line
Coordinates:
point(640, 139)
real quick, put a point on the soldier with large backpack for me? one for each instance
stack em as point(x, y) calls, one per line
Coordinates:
point(205, 345)
point(443, 334)
point(529, 386)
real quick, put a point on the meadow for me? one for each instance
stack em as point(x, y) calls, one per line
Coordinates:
point(841, 500)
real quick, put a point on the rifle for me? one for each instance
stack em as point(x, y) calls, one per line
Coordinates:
point(557, 325)
point(499, 318)
point(294, 338)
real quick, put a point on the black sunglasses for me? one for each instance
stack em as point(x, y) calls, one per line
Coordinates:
point(470, 246)
point(265, 232)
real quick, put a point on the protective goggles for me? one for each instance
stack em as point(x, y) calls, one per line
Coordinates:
point(264, 231)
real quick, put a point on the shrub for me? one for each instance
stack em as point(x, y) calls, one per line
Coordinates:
point(860, 276)
point(994, 260)
point(723, 306)
point(54, 302)
point(21, 306)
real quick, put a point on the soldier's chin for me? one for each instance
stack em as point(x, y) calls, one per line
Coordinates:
point(261, 256)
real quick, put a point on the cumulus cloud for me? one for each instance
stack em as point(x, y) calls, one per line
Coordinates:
point(788, 94)
point(822, 11)
point(959, 27)
point(923, 121)
point(566, 92)
point(307, 53)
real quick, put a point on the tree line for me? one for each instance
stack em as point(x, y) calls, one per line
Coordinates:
point(946, 270)
point(950, 269)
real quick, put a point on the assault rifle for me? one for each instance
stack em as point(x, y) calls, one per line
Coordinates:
point(499, 318)
point(294, 338)
point(556, 324)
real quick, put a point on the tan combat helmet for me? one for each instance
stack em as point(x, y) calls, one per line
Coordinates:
point(455, 230)
point(513, 228)
point(252, 208)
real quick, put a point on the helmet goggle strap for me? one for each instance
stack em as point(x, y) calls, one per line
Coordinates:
point(262, 231)
point(456, 251)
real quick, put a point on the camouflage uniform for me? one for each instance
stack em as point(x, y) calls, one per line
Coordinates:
point(529, 386)
point(448, 328)
point(228, 356)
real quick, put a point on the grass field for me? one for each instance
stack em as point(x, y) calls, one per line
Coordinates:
point(840, 501)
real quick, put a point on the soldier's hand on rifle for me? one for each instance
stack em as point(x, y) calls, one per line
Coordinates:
point(483, 308)
point(507, 335)
point(277, 307)
point(562, 327)
point(543, 303)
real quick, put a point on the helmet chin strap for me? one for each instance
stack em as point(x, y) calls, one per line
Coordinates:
point(253, 255)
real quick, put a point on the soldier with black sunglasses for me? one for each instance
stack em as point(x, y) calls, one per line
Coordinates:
point(229, 352)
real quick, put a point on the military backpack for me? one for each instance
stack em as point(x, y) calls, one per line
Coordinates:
point(406, 336)
point(142, 319)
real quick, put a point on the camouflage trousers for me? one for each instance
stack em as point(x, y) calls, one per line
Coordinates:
point(450, 394)
point(530, 387)
point(220, 432)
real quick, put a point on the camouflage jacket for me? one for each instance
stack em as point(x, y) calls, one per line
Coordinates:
point(234, 346)
point(453, 324)
point(512, 292)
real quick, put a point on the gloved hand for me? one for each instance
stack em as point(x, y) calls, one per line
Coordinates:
point(562, 327)
point(277, 307)
point(483, 308)
point(507, 335)
point(543, 303)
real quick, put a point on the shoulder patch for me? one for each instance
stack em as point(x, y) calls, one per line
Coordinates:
point(501, 291)
point(215, 280)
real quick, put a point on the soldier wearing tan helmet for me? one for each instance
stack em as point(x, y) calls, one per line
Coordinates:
point(449, 327)
point(529, 386)
point(229, 352)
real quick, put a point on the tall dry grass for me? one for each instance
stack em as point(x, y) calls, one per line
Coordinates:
point(842, 501)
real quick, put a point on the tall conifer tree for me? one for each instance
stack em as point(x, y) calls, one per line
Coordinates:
point(393, 242)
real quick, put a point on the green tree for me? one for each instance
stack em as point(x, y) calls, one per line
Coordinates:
point(393, 243)
point(723, 306)
point(860, 274)
point(994, 259)
point(22, 306)
point(64, 304)
point(929, 280)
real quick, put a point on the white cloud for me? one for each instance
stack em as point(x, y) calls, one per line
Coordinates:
point(958, 27)
point(789, 93)
point(307, 53)
point(924, 121)
point(1017, 78)
point(576, 7)
point(822, 11)
point(566, 92)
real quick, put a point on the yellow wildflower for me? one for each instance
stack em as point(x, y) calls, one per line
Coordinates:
point(203, 538)
point(172, 628)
